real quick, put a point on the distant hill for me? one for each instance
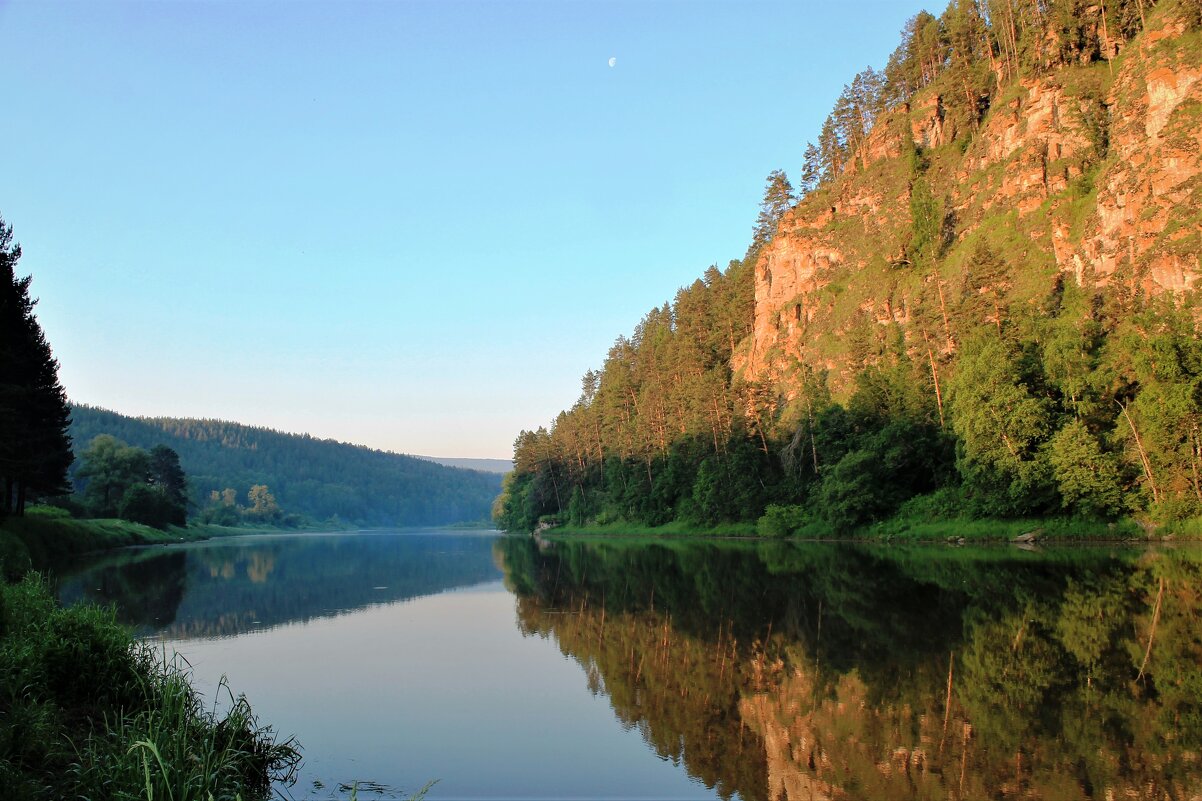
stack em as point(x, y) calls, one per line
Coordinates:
point(501, 466)
point(321, 479)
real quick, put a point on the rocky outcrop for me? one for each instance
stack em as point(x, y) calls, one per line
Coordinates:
point(1147, 221)
point(1091, 172)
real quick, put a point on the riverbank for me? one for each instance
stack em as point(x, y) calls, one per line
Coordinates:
point(901, 529)
point(46, 536)
point(91, 713)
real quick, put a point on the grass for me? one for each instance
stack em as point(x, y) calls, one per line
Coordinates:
point(673, 529)
point(1184, 529)
point(41, 540)
point(90, 713)
point(909, 529)
point(1058, 529)
point(47, 536)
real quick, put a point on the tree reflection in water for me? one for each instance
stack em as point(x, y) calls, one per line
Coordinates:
point(814, 671)
point(224, 588)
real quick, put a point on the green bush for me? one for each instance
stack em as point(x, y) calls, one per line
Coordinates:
point(89, 713)
point(781, 521)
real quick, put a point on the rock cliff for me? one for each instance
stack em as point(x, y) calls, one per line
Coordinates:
point(1086, 172)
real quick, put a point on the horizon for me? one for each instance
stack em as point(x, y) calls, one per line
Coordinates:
point(257, 212)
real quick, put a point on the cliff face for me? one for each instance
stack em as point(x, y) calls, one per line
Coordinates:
point(1087, 173)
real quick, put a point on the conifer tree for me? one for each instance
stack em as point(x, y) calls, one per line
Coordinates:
point(35, 449)
point(778, 199)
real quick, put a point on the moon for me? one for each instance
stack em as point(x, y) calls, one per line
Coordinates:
point(612, 61)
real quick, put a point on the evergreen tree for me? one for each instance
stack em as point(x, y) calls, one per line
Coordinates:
point(778, 199)
point(811, 169)
point(35, 449)
point(167, 477)
point(165, 472)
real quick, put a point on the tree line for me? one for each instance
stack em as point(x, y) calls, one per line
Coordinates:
point(300, 478)
point(965, 56)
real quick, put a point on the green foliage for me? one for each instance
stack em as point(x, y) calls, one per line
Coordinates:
point(1088, 479)
point(1001, 425)
point(781, 521)
point(926, 241)
point(85, 705)
point(133, 484)
point(316, 479)
point(35, 449)
point(150, 506)
point(44, 542)
point(110, 467)
point(778, 199)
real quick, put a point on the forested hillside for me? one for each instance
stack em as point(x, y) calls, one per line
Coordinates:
point(981, 301)
point(318, 479)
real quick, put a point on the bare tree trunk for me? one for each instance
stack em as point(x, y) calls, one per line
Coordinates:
point(935, 377)
point(947, 705)
point(947, 328)
point(1152, 632)
point(1143, 455)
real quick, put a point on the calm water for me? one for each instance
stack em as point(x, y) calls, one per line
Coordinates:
point(510, 668)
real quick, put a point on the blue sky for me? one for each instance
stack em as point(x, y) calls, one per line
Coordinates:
point(408, 225)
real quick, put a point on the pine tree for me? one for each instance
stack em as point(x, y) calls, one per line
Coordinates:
point(35, 449)
point(778, 199)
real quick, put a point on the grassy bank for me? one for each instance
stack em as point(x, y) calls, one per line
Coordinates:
point(905, 529)
point(46, 537)
point(673, 529)
point(1055, 529)
point(90, 713)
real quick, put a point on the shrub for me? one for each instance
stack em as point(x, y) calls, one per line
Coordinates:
point(88, 713)
point(781, 521)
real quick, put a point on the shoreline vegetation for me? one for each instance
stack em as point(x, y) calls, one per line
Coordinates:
point(46, 537)
point(92, 713)
point(902, 530)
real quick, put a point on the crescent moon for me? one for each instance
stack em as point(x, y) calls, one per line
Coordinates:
point(612, 61)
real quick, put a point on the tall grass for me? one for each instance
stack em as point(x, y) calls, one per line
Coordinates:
point(85, 712)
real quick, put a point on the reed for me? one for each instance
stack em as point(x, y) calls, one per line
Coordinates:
point(93, 714)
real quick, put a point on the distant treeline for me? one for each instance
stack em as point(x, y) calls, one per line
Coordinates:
point(319, 479)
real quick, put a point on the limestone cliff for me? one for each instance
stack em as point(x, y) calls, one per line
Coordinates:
point(1084, 172)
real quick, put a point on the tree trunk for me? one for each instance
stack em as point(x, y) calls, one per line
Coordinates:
point(935, 378)
point(947, 328)
point(1143, 455)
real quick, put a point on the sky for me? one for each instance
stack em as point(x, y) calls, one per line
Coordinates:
point(407, 225)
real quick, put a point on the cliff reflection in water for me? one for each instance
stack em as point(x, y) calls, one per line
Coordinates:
point(223, 588)
point(831, 672)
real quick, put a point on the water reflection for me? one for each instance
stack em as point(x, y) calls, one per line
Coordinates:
point(824, 672)
point(228, 587)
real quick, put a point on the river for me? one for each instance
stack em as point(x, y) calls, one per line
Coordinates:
point(513, 668)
